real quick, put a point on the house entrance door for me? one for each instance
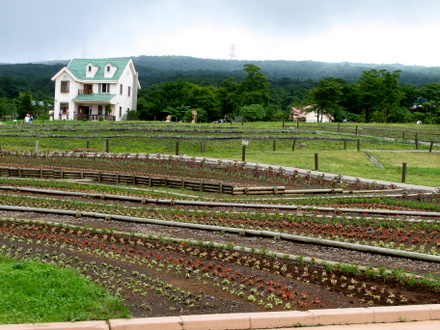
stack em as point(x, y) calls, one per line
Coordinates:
point(83, 112)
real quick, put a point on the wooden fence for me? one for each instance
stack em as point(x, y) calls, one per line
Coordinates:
point(109, 178)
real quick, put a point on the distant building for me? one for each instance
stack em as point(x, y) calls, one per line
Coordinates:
point(96, 88)
point(309, 115)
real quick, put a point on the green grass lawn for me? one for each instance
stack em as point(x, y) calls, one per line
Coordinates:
point(422, 168)
point(272, 144)
point(31, 292)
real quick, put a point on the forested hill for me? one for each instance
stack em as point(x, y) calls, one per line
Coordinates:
point(302, 70)
point(35, 78)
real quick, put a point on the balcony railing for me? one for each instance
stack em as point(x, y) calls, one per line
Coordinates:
point(84, 91)
point(104, 117)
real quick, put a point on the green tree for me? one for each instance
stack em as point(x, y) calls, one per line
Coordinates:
point(206, 99)
point(391, 95)
point(228, 97)
point(25, 105)
point(254, 89)
point(327, 97)
point(8, 107)
point(379, 94)
point(429, 96)
point(253, 112)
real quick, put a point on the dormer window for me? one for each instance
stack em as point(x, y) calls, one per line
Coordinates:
point(110, 70)
point(91, 70)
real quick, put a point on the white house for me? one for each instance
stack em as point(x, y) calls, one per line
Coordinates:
point(96, 88)
point(309, 115)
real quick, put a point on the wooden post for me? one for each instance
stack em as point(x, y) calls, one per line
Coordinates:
point(293, 144)
point(356, 130)
point(282, 125)
point(339, 127)
point(417, 142)
point(243, 153)
point(297, 123)
point(403, 172)
point(358, 145)
point(177, 147)
point(316, 162)
point(107, 145)
point(345, 144)
point(87, 144)
point(430, 146)
point(403, 135)
point(274, 145)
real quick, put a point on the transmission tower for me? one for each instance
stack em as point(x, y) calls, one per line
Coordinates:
point(232, 57)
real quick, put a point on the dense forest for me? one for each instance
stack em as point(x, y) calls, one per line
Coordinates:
point(251, 90)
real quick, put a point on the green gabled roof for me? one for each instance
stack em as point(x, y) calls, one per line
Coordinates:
point(78, 67)
point(94, 97)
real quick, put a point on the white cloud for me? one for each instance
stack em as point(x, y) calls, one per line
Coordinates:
point(378, 31)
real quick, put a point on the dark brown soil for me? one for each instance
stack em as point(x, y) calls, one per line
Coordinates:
point(205, 297)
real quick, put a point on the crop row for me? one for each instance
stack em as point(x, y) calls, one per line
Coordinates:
point(163, 262)
point(397, 233)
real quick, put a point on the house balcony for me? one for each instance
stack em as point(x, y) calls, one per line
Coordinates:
point(84, 91)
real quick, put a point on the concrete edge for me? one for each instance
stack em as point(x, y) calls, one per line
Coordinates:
point(265, 320)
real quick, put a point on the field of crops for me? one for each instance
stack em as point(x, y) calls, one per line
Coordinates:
point(175, 251)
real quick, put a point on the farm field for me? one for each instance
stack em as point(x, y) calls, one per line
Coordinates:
point(231, 253)
point(340, 148)
point(178, 251)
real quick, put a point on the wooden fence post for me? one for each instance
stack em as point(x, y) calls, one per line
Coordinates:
point(105, 146)
point(87, 144)
point(316, 162)
point(403, 172)
point(417, 142)
point(339, 127)
point(358, 145)
point(345, 144)
point(356, 130)
point(274, 145)
point(243, 153)
point(177, 148)
point(430, 146)
point(293, 144)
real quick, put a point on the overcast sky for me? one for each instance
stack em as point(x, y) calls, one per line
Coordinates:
point(363, 31)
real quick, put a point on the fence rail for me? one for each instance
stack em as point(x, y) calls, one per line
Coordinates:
point(110, 178)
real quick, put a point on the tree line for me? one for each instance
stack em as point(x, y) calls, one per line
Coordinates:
point(376, 96)
point(178, 86)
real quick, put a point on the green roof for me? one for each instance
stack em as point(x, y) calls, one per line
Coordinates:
point(94, 97)
point(78, 67)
